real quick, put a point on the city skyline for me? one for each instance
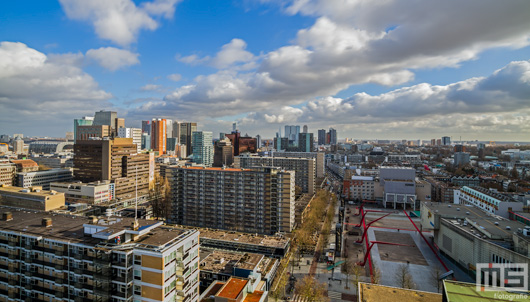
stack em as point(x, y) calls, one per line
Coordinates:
point(378, 70)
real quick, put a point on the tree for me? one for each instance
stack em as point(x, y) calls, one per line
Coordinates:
point(357, 272)
point(347, 269)
point(279, 292)
point(311, 290)
point(160, 197)
point(297, 191)
point(403, 278)
point(435, 278)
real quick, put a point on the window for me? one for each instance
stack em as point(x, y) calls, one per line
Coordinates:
point(137, 274)
point(137, 290)
point(138, 259)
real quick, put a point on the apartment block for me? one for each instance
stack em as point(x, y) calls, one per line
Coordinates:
point(487, 200)
point(304, 168)
point(43, 178)
point(318, 156)
point(54, 257)
point(255, 201)
point(7, 173)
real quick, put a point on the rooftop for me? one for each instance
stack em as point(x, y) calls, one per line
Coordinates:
point(491, 193)
point(270, 241)
point(25, 163)
point(466, 292)
point(369, 292)
point(232, 288)
point(220, 261)
point(475, 221)
point(72, 228)
point(29, 191)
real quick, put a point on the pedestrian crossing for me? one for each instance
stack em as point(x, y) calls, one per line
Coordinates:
point(334, 296)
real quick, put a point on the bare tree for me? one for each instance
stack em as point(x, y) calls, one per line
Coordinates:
point(311, 290)
point(436, 274)
point(403, 277)
point(347, 269)
point(160, 197)
point(357, 273)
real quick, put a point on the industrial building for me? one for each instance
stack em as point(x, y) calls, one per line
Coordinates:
point(468, 235)
point(256, 201)
point(54, 257)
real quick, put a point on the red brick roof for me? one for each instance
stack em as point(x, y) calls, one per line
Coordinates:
point(25, 163)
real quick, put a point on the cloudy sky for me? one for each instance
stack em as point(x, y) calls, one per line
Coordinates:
point(388, 69)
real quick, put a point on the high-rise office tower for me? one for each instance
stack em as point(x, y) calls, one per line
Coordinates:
point(234, 127)
point(186, 129)
point(105, 118)
point(146, 141)
point(203, 148)
point(176, 131)
point(85, 121)
point(258, 141)
point(18, 145)
point(332, 136)
point(257, 200)
point(116, 160)
point(305, 129)
point(223, 153)
point(169, 128)
point(446, 140)
point(146, 127)
point(305, 142)
point(322, 136)
point(291, 132)
point(158, 135)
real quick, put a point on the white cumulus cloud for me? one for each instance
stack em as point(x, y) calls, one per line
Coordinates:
point(113, 58)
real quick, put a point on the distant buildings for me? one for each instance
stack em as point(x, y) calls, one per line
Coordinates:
point(185, 132)
point(255, 201)
point(242, 144)
point(332, 136)
point(223, 153)
point(446, 141)
point(320, 163)
point(321, 136)
point(158, 135)
point(18, 146)
point(134, 133)
point(202, 148)
point(305, 142)
point(85, 121)
point(461, 159)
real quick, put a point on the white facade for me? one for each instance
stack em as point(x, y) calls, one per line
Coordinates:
point(91, 193)
point(134, 133)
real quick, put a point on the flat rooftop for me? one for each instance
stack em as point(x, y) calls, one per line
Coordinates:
point(224, 262)
point(466, 292)
point(478, 221)
point(375, 292)
point(232, 288)
point(72, 228)
point(11, 189)
point(256, 239)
